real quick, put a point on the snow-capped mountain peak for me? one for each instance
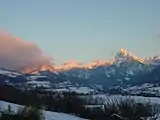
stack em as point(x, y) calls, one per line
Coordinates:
point(123, 56)
point(152, 60)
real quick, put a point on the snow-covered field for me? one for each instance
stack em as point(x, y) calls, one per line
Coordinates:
point(84, 90)
point(47, 114)
point(9, 73)
point(78, 90)
point(155, 88)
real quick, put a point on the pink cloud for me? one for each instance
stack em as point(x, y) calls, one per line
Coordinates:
point(17, 54)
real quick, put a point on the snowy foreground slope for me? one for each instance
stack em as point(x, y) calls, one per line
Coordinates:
point(61, 116)
point(48, 114)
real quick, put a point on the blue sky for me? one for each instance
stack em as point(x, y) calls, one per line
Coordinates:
point(85, 30)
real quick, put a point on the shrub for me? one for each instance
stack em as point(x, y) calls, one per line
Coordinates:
point(26, 113)
point(31, 113)
point(117, 109)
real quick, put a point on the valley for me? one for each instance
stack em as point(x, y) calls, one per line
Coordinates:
point(126, 74)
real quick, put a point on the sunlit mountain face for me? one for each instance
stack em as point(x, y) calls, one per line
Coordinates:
point(40, 68)
point(69, 65)
point(74, 64)
point(122, 56)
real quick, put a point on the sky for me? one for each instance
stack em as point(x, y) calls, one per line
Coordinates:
point(85, 30)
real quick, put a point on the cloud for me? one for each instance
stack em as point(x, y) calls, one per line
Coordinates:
point(17, 54)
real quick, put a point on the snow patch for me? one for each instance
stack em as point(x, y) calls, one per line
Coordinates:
point(47, 114)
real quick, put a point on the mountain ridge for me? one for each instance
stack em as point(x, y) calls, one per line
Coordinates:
point(125, 69)
point(122, 56)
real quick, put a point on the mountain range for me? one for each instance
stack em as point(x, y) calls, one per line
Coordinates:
point(125, 68)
